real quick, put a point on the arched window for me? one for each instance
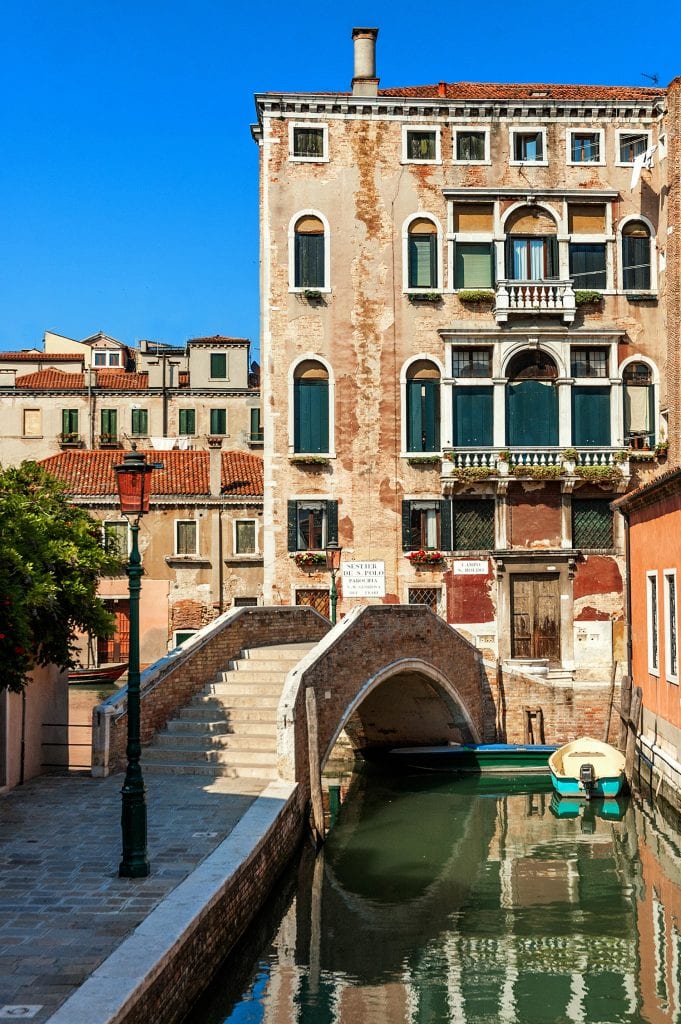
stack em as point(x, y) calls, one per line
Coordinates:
point(309, 255)
point(639, 410)
point(423, 407)
point(532, 402)
point(311, 408)
point(422, 254)
point(635, 256)
point(531, 246)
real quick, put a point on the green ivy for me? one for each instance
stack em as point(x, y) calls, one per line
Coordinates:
point(599, 474)
point(538, 472)
point(476, 295)
point(467, 473)
point(584, 297)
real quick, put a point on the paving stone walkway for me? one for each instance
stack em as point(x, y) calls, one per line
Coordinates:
point(63, 908)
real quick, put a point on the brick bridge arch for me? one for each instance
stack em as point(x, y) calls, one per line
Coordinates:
point(389, 675)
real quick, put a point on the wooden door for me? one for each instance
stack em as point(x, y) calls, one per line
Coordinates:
point(117, 648)
point(317, 599)
point(535, 615)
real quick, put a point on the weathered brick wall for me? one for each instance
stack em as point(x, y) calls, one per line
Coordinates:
point(172, 683)
point(569, 709)
point(170, 995)
point(673, 273)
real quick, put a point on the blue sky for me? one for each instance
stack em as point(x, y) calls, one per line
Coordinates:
point(128, 178)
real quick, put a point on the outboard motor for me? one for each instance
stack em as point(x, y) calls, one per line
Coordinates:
point(587, 777)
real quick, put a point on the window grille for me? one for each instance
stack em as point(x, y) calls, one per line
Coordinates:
point(429, 596)
point(473, 525)
point(591, 524)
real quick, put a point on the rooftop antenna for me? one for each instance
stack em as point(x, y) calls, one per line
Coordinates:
point(651, 78)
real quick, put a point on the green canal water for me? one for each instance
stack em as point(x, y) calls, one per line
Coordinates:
point(438, 899)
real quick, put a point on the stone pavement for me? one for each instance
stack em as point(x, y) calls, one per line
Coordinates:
point(63, 908)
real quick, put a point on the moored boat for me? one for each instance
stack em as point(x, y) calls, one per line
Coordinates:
point(93, 675)
point(587, 768)
point(476, 758)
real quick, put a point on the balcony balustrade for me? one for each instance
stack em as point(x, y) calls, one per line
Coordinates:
point(534, 298)
point(512, 462)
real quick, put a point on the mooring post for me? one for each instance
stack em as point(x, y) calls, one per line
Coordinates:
point(314, 766)
point(634, 716)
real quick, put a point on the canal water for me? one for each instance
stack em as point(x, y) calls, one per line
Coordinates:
point(437, 899)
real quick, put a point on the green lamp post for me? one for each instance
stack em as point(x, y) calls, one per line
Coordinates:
point(333, 558)
point(134, 490)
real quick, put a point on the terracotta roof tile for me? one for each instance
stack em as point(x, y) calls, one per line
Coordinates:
point(51, 380)
point(218, 339)
point(40, 357)
point(525, 91)
point(91, 473)
point(120, 380)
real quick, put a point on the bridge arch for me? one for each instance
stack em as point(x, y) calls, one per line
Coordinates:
point(436, 691)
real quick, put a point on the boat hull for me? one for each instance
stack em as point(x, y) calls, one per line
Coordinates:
point(587, 768)
point(477, 758)
point(603, 788)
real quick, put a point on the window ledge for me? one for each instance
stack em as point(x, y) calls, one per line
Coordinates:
point(528, 163)
point(308, 159)
point(238, 559)
point(187, 560)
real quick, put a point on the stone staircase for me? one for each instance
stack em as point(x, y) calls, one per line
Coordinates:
point(231, 728)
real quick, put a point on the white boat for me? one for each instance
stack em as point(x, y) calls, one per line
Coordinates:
point(587, 768)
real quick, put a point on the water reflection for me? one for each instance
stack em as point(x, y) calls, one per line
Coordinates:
point(438, 900)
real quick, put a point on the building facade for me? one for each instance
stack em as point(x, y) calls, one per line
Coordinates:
point(201, 542)
point(99, 393)
point(465, 349)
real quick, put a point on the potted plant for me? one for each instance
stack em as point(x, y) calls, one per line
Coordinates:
point(569, 457)
point(587, 297)
point(425, 297)
point(661, 449)
point(503, 461)
point(476, 296)
point(424, 460)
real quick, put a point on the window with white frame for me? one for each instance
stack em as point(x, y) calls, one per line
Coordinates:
point(115, 536)
point(245, 537)
point(219, 366)
point(653, 624)
point(426, 525)
point(585, 146)
point(308, 142)
point(186, 537)
point(106, 357)
point(472, 254)
point(471, 145)
point(528, 146)
point(636, 256)
point(671, 649)
point(422, 254)
point(421, 145)
point(309, 254)
point(631, 144)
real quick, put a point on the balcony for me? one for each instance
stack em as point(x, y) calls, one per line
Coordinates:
point(606, 466)
point(535, 298)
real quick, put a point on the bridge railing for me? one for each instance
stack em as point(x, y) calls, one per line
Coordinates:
point(173, 680)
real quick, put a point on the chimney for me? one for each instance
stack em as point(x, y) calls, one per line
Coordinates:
point(215, 465)
point(364, 82)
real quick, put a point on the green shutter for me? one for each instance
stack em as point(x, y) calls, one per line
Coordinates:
point(423, 415)
point(256, 429)
point(218, 421)
point(218, 365)
point(311, 416)
point(187, 424)
point(446, 524)
point(139, 422)
point(531, 414)
point(292, 526)
point(473, 265)
point(309, 260)
point(406, 525)
point(587, 265)
point(591, 416)
point(69, 421)
point(473, 416)
point(331, 522)
point(423, 261)
point(109, 422)
point(636, 262)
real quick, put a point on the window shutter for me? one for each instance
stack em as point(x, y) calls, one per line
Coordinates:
point(422, 261)
point(332, 522)
point(446, 524)
point(508, 258)
point(636, 262)
point(309, 260)
point(311, 416)
point(423, 415)
point(473, 416)
point(473, 263)
point(552, 256)
point(65, 421)
point(406, 525)
point(293, 526)
point(591, 416)
point(531, 413)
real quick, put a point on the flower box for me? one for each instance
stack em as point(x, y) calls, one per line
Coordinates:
point(431, 558)
point(310, 559)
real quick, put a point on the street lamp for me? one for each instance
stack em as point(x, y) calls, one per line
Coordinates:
point(333, 558)
point(133, 479)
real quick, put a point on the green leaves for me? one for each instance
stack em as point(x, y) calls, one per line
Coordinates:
point(52, 560)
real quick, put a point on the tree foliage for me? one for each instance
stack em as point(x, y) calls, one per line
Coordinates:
point(51, 561)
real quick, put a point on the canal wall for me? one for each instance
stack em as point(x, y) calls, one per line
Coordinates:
point(171, 682)
point(157, 973)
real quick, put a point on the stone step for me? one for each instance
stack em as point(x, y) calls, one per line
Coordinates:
point(275, 651)
point(229, 716)
point(233, 758)
point(215, 771)
point(207, 729)
point(252, 678)
point(230, 741)
point(237, 700)
point(255, 687)
point(246, 667)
